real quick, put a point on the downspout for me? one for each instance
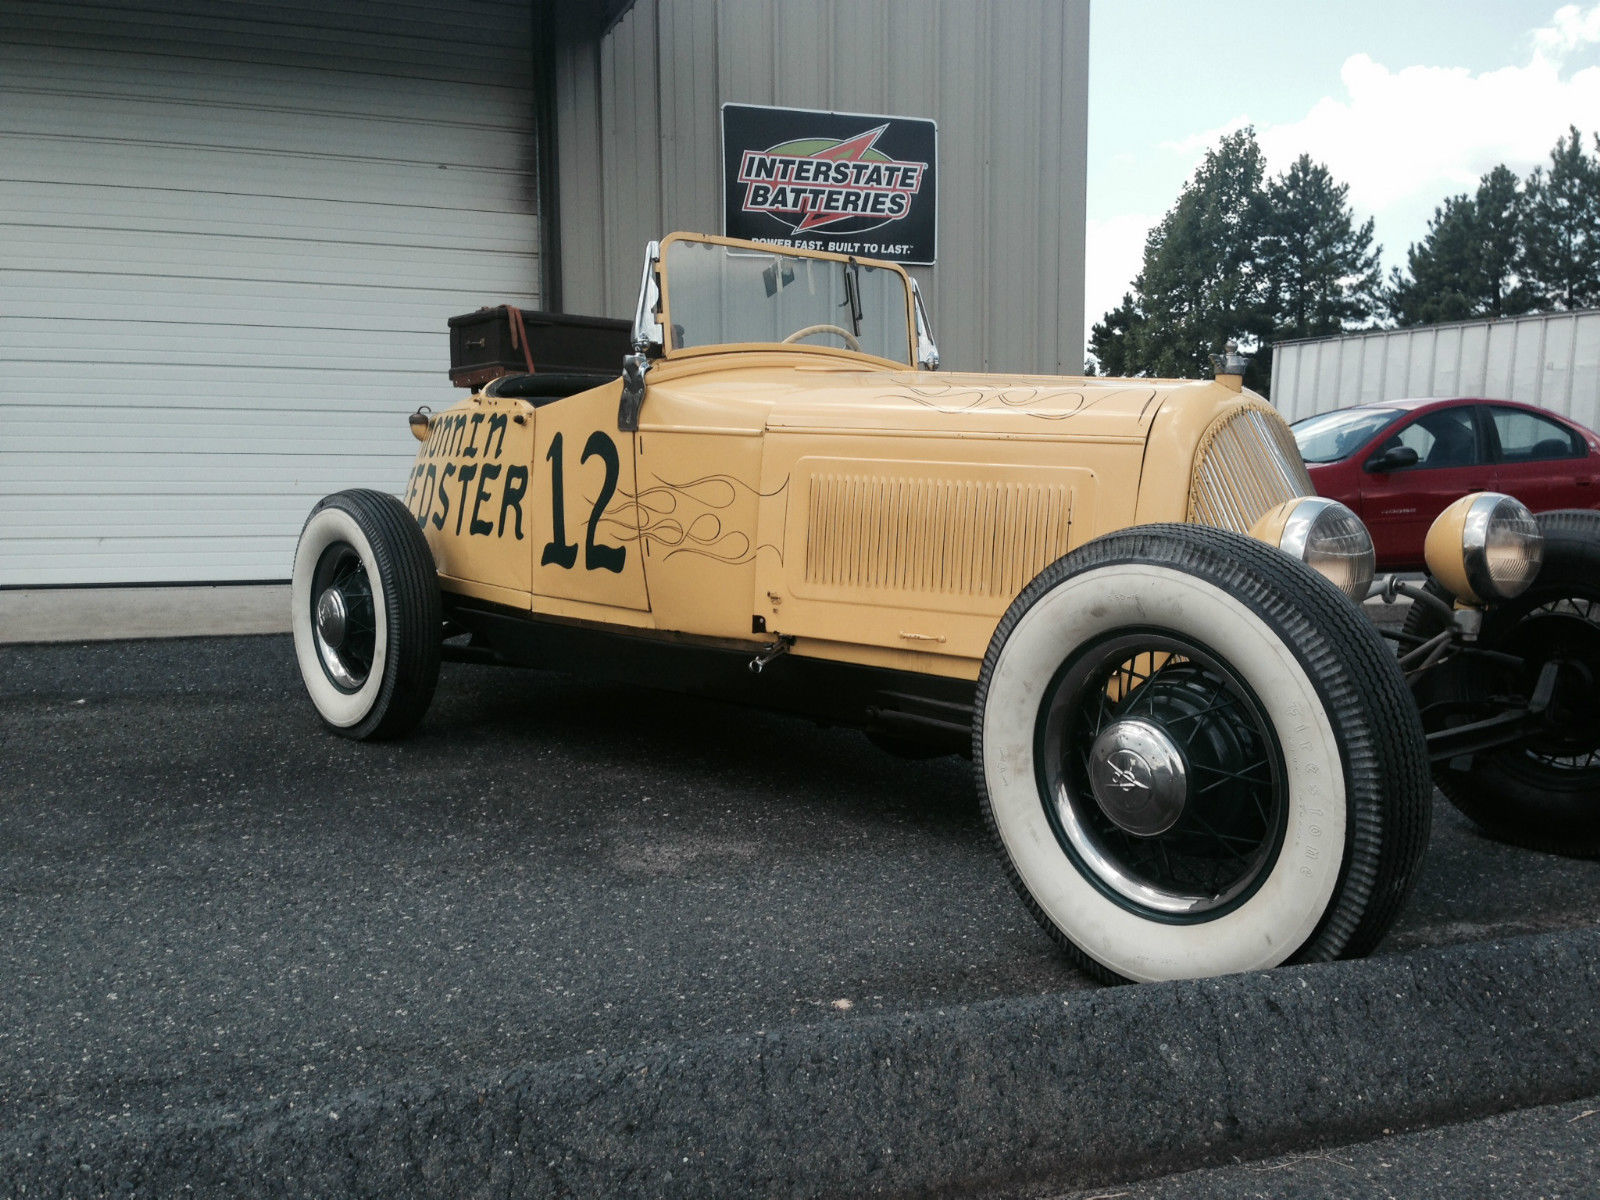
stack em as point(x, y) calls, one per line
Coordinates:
point(546, 161)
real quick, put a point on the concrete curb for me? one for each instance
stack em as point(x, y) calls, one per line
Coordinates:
point(1058, 1090)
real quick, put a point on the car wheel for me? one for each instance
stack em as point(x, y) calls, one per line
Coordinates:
point(366, 615)
point(1198, 757)
point(1545, 793)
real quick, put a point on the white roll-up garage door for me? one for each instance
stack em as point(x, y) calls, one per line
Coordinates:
point(230, 235)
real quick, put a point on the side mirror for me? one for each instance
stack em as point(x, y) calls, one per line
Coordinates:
point(1395, 458)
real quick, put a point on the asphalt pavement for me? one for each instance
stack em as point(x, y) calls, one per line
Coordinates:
point(1551, 1152)
point(229, 937)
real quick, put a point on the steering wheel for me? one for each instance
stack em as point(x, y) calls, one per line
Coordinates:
point(809, 330)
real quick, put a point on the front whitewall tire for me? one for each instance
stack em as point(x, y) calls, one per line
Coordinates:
point(1288, 905)
point(1332, 867)
point(328, 528)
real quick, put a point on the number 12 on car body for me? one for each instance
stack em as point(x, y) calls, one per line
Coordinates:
point(559, 551)
point(584, 489)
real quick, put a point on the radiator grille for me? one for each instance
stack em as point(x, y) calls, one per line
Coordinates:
point(933, 536)
point(1247, 463)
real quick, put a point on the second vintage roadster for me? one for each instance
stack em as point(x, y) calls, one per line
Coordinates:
point(1196, 752)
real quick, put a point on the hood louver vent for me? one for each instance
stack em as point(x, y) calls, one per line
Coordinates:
point(932, 536)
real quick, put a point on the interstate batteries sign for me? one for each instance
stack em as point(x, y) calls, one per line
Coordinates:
point(830, 181)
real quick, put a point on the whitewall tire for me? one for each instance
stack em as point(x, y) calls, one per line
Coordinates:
point(1198, 757)
point(366, 615)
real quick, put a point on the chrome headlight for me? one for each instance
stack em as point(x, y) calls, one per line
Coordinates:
point(1485, 547)
point(1327, 537)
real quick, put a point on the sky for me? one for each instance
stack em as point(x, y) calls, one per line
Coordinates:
point(1407, 101)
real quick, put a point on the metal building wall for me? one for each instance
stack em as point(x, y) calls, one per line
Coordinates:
point(230, 235)
point(1551, 360)
point(639, 135)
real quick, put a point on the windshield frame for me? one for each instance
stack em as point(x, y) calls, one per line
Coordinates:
point(913, 324)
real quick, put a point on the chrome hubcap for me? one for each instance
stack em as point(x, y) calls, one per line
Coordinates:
point(332, 615)
point(1138, 778)
point(343, 617)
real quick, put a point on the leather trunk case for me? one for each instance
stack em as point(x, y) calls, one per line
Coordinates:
point(485, 344)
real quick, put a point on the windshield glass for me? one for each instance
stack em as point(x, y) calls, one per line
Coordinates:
point(1328, 437)
point(720, 294)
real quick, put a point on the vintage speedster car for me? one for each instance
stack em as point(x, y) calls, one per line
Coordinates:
point(1196, 753)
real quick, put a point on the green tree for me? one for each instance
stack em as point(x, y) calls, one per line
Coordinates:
point(1444, 269)
point(1238, 256)
point(1201, 282)
point(1473, 261)
point(1502, 224)
point(1321, 268)
point(1563, 233)
point(1114, 340)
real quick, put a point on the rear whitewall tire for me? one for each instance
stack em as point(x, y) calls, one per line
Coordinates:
point(387, 695)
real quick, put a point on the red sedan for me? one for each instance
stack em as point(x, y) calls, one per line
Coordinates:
point(1400, 462)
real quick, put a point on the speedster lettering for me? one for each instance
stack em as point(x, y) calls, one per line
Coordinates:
point(493, 491)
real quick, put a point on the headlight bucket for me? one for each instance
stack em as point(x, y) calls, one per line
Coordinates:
point(1327, 537)
point(1484, 548)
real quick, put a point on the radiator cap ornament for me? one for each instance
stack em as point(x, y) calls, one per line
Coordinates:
point(1230, 366)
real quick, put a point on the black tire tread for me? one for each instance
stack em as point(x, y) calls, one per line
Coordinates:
point(1388, 788)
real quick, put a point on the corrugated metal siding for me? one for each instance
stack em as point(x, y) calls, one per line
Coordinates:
point(640, 142)
point(1550, 359)
point(230, 235)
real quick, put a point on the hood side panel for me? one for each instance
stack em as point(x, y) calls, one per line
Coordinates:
point(925, 554)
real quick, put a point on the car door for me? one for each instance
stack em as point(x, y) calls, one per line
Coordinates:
point(1398, 506)
point(583, 503)
point(1540, 461)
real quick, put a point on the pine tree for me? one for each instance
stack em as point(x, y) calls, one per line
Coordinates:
point(1502, 224)
point(1113, 340)
point(1321, 268)
point(1238, 257)
point(1201, 283)
point(1473, 261)
point(1445, 269)
point(1563, 237)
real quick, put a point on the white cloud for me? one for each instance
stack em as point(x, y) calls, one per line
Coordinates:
point(1196, 144)
point(1405, 138)
point(1427, 132)
point(1569, 29)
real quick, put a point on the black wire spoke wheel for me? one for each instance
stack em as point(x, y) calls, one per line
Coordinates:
point(366, 615)
point(1565, 631)
point(343, 617)
point(1161, 775)
point(1196, 756)
point(1544, 792)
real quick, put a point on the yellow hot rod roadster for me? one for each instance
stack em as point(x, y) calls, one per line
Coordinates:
point(1196, 753)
